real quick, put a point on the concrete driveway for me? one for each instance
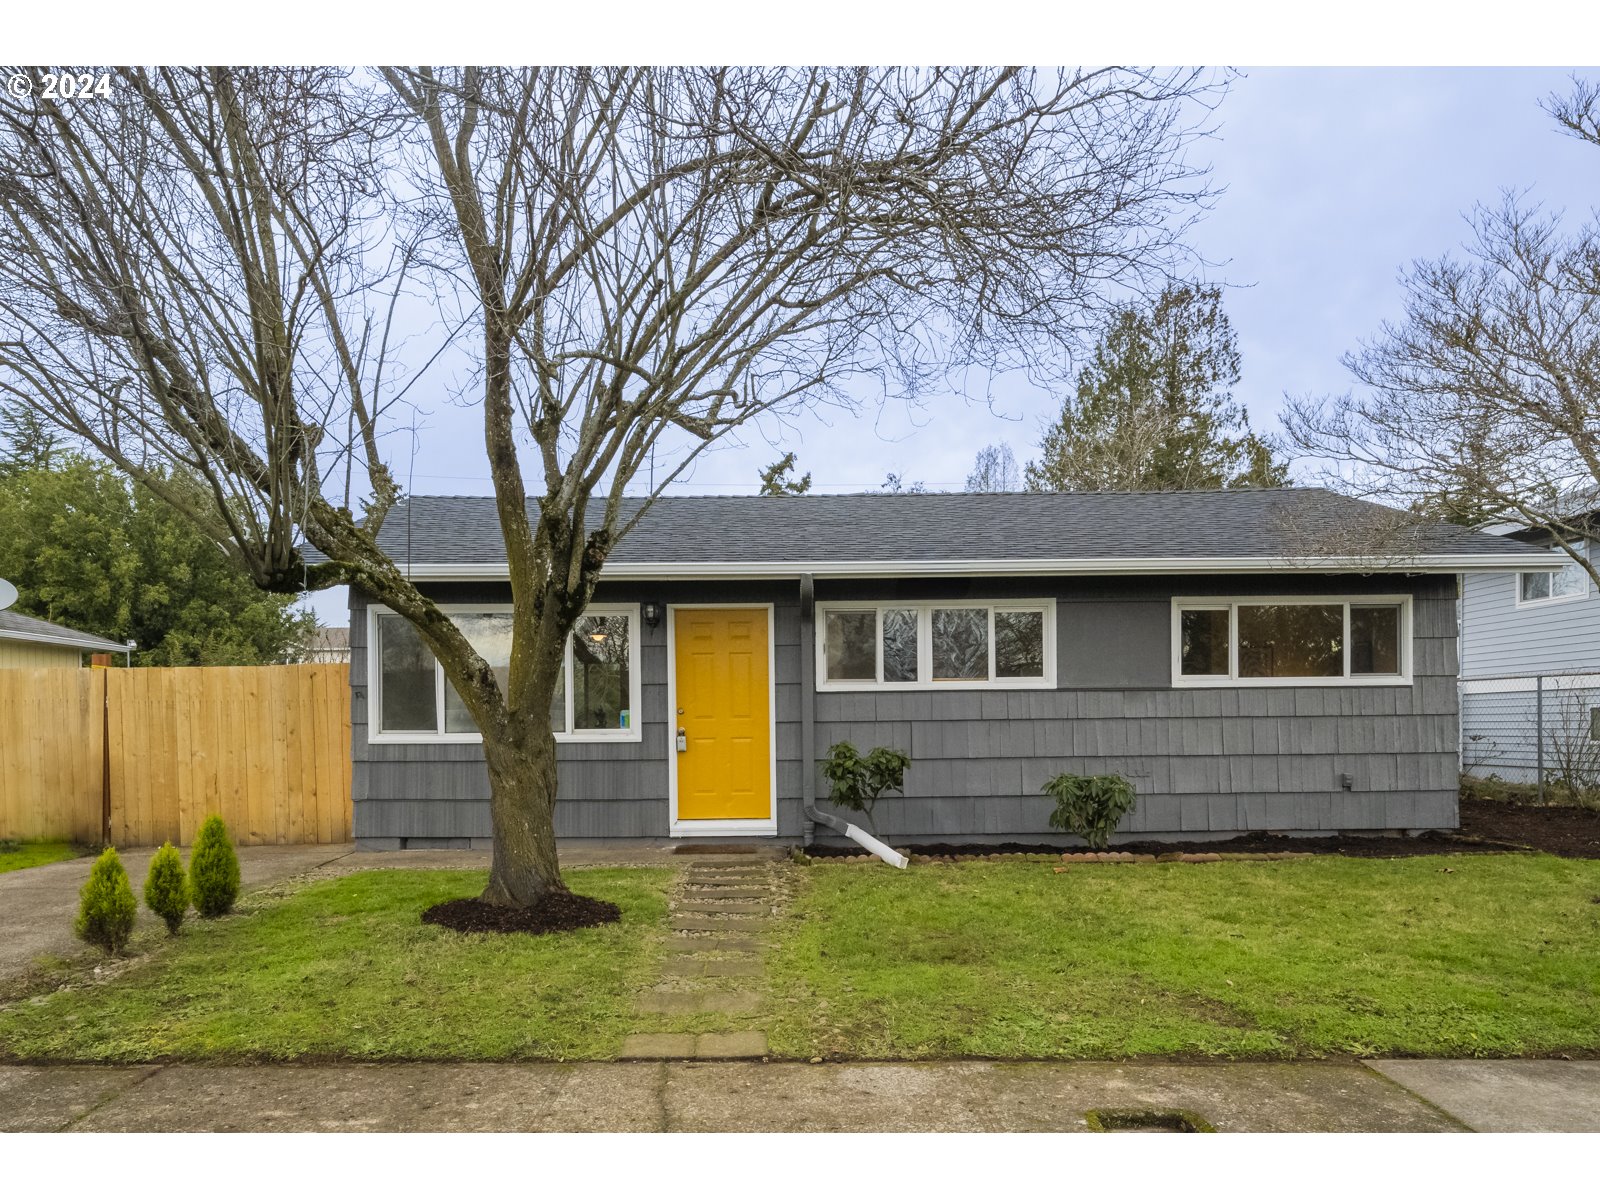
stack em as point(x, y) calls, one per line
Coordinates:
point(38, 904)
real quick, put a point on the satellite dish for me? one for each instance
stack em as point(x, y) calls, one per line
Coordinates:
point(8, 594)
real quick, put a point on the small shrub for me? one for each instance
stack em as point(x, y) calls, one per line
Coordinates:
point(166, 888)
point(856, 781)
point(1089, 805)
point(106, 905)
point(213, 869)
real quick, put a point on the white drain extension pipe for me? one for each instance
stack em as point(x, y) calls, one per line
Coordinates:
point(860, 837)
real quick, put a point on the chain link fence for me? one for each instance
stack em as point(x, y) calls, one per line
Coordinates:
point(1539, 730)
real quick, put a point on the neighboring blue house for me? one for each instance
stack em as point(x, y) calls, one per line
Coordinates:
point(1530, 660)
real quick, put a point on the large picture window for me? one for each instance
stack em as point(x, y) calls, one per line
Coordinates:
point(936, 644)
point(597, 698)
point(1263, 641)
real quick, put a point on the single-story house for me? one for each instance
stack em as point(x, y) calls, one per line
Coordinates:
point(1210, 647)
point(30, 642)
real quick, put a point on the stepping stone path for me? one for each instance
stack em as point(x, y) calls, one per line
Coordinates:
point(720, 908)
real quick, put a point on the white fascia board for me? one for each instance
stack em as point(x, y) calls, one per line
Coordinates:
point(1473, 563)
point(86, 642)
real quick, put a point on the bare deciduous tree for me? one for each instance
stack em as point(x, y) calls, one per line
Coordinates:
point(1484, 402)
point(995, 470)
point(648, 258)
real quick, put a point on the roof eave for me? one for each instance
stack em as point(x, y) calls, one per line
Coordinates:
point(942, 568)
point(78, 643)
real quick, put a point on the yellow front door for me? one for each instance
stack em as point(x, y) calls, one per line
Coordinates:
point(723, 702)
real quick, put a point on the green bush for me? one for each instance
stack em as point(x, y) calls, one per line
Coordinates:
point(1089, 805)
point(166, 888)
point(106, 905)
point(855, 782)
point(213, 869)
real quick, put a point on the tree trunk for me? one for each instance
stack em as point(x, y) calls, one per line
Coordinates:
point(522, 796)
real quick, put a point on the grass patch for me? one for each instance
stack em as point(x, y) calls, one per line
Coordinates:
point(16, 856)
point(1474, 955)
point(344, 968)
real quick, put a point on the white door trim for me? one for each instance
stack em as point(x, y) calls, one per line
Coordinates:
point(721, 828)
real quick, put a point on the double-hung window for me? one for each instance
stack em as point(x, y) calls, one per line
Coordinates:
point(936, 644)
point(1544, 587)
point(1279, 640)
point(597, 698)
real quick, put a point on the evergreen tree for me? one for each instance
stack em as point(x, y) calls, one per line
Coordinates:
point(775, 479)
point(166, 888)
point(88, 549)
point(213, 869)
point(1155, 411)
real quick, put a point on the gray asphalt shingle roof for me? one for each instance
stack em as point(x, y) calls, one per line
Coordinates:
point(14, 627)
point(934, 527)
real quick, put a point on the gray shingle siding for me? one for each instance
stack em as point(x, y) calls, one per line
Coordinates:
point(1204, 761)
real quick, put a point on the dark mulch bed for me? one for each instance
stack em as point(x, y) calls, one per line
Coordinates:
point(1568, 831)
point(711, 848)
point(556, 913)
point(1486, 826)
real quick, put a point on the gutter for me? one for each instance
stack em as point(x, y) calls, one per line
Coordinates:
point(1527, 560)
point(808, 740)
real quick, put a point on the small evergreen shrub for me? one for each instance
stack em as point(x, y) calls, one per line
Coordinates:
point(855, 781)
point(213, 869)
point(166, 887)
point(1089, 805)
point(106, 905)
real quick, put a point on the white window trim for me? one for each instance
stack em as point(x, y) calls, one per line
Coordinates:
point(1232, 679)
point(1547, 601)
point(925, 681)
point(376, 736)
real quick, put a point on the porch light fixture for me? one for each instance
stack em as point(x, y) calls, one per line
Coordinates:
point(652, 615)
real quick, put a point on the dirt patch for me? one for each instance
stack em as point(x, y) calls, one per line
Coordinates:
point(1570, 832)
point(711, 848)
point(556, 913)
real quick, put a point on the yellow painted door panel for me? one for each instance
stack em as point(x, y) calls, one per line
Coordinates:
point(725, 773)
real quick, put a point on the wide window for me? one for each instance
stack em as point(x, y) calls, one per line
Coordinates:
point(936, 644)
point(1537, 587)
point(597, 697)
point(1282, 640)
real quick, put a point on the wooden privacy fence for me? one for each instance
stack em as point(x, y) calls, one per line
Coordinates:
point(152, 751)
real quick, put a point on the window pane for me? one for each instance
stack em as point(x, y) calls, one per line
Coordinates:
point(490, 635)
point(1019, 645)
point(1291, 641)
point(407, 681)
point(960, 643)
point(848, 645)
point(1536, 585)
point(600, 673)
point(899, 645)
point(1374, 639)
point(1204, 633)
point(1571, 580)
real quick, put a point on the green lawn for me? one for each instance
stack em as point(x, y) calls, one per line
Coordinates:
point(14, 856)
point(1435, 956)
point(345, 968)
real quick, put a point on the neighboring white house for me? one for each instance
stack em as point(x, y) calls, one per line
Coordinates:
point(30, 642)
point(1530, 660)
point(330, 644)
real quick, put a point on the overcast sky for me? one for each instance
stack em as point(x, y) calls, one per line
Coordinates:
point(1334, 179)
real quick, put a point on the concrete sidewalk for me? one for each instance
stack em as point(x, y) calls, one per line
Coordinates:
point(704, 1097)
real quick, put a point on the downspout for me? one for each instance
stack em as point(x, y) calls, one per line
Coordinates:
point(808, 740)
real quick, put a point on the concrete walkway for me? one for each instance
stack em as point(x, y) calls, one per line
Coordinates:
point(1528, 1096)
point(704, 1097)
point(38, 904)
